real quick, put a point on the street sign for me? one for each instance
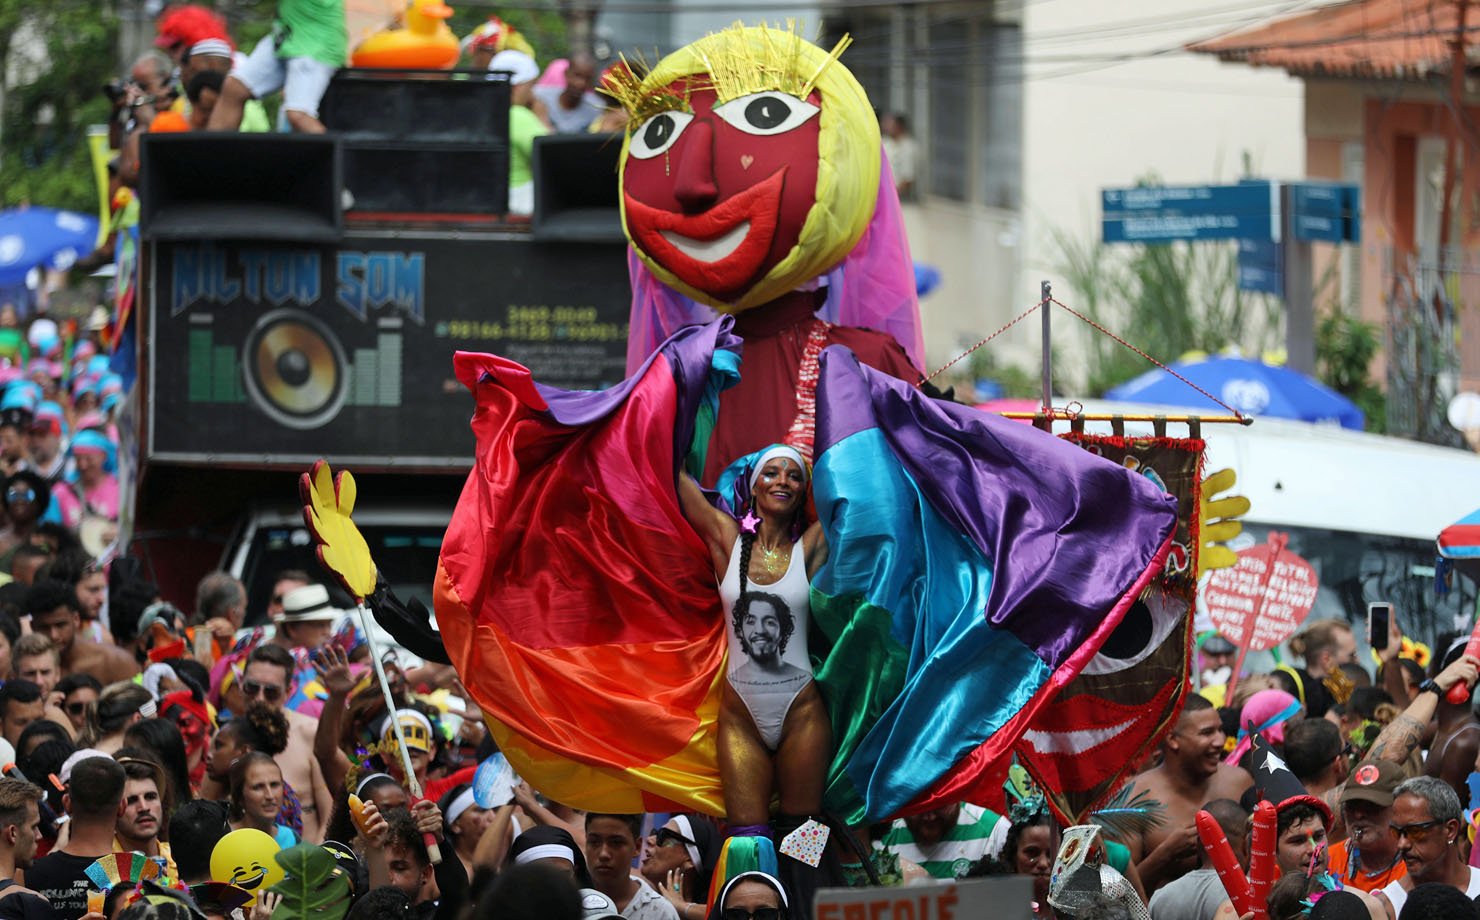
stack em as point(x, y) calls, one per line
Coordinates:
point(1165, 213)
point(1260, 267)
point(1327, 212)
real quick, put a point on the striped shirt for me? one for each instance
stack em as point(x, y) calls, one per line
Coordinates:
point(978, 832)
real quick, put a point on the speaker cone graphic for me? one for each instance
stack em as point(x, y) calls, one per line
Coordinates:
point(295, 369)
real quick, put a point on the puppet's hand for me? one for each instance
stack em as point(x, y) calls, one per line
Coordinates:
point(328, 501)
point(1218, 522)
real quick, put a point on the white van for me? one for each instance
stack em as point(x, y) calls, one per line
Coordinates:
point(1364, 510)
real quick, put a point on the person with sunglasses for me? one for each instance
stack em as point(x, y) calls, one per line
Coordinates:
point(269, 677)
point(25, 497)
point(79, 696)
point(752, 896)
point(680, 860)
point(1427, 822)
point(611, 845)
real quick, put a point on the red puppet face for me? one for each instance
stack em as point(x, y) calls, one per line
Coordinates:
point(718, 194)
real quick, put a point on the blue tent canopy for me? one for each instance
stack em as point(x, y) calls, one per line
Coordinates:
point(1252, 387)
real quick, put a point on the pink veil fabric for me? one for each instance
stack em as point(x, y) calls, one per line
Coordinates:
point(873, 287)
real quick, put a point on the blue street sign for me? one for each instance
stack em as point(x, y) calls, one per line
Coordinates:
point(1161, 214)
point(1327, 212)
point(1260, 267)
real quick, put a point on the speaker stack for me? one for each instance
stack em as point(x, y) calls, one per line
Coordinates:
point(214, 186)
point(576, 188)
point(422, 144)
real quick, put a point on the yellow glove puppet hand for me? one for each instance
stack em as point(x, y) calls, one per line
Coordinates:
point(1219, 522)
point(328, 501)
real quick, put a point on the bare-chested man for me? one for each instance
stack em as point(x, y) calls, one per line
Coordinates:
point(1192, 773)
point(55, 615)
point(1452, 755)
point(269, 677)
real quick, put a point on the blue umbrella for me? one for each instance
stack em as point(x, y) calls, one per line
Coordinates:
point(1252, 387)
point(42, 237)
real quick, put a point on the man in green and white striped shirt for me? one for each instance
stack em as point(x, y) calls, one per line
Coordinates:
point(948, 841)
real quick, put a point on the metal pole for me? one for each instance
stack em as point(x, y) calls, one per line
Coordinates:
point(1046, 289)
point(434, 854)
point(1299, 291)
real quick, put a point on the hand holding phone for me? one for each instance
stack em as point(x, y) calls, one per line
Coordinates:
point(1379, 622)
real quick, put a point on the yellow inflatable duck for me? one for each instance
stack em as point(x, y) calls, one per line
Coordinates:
point(425, 42)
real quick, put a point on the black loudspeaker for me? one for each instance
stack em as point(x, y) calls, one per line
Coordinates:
point(576, 188)
point(241, 186)
point(420, 144)
point(417, 180)
point(426, 106)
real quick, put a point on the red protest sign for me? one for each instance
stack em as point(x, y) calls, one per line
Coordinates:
point(1258, 603)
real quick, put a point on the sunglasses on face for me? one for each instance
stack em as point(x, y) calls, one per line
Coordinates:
point(77, 707)
point(760, 913)
point(20, 494)
point(268, 692)
point(1416, 833)
point(668, 837)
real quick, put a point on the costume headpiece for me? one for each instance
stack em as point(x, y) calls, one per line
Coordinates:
point(733, 65)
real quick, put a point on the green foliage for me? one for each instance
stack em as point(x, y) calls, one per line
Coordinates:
point(1345, 347)
point(314, 887)
point(1167, 299)
point(44, 158)
point(1016, 382)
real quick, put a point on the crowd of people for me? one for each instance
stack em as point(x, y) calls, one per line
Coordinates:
point(132, 726)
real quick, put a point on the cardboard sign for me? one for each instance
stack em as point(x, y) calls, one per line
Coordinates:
point(1004, 897)
point(1258, 603)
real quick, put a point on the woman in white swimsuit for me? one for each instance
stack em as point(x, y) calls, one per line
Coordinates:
point(774, 734)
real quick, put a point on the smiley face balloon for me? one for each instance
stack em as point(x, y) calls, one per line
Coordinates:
point(244, 858)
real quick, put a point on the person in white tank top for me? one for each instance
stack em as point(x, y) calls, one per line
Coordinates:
point(774, 734)
point(1427, 819)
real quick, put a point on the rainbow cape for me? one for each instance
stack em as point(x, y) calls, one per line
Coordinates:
point(975, 565)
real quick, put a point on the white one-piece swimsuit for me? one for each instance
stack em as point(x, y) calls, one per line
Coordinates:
point(773, 622)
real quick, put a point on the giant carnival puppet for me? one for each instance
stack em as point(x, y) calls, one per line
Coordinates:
point(768, 576)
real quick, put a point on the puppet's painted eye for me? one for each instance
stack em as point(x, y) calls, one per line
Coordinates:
point(1145, 627)
point(766, 113)
point(657, 134)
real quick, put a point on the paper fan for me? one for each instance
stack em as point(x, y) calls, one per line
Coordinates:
point(113, 868)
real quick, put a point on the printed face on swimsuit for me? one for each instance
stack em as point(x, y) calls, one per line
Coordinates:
point(762, 630)
point(717, 193)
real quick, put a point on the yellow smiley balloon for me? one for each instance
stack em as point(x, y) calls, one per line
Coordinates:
point(244, 858)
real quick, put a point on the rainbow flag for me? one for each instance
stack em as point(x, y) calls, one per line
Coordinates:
point(975, 565)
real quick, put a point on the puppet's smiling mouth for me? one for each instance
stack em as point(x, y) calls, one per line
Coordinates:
point(715, 250)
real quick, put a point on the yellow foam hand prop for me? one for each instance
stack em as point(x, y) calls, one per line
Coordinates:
point(328, 501)
point(1219, 522)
